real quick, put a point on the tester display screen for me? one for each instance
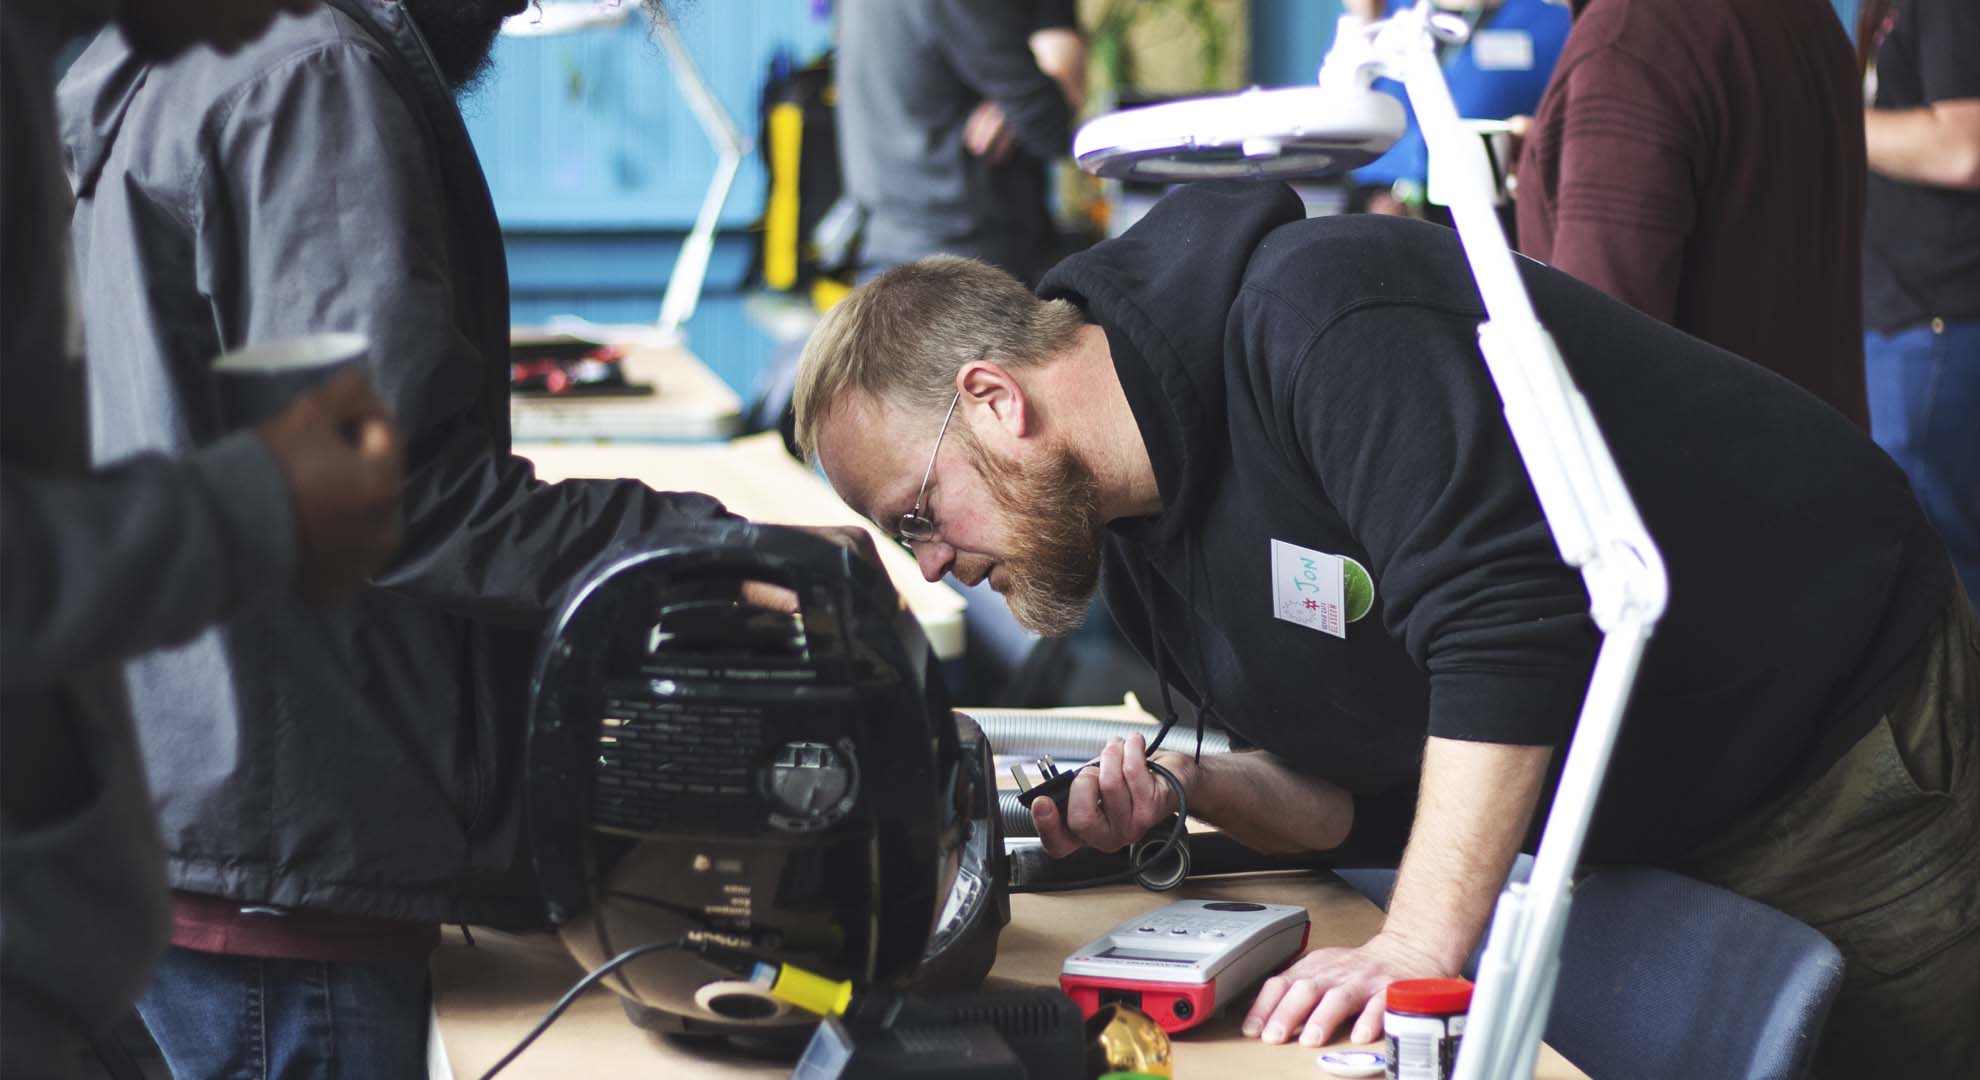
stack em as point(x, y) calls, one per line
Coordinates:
point(1118, 952)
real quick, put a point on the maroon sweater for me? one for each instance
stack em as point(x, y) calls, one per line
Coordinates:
point(1704, 162)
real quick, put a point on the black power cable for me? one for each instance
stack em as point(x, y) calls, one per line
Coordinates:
point(1148, 858)
point(577, 989)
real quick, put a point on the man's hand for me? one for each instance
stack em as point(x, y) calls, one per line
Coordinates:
point(854, 538)
point(340, 453)
point(1327, 987)
point(987, 134)
point(1112, 804)
point(1475, 803)
point(1385, 203)
point(1518, 127)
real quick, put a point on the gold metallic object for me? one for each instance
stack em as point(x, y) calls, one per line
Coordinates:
point(1121, 1038)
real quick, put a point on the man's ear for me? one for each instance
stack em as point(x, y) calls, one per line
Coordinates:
point(992, 387)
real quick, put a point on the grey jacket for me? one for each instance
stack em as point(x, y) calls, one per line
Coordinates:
point(361, 760)
point(909, 74)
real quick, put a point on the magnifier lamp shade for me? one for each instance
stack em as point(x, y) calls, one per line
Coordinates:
point(1255, 135)
point(550, 18)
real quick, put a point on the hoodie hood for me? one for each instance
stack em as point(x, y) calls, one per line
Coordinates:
point(94, 98)
point(1163, 292)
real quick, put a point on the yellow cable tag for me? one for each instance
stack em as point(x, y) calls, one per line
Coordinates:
point(812, 993)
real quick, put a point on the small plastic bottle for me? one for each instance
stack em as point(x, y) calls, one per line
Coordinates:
point(1424, 1021)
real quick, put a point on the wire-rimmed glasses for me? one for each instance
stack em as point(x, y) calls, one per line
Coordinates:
point(915, 526)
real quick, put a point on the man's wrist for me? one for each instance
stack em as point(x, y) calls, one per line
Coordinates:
point(1188, 771)
point(1444, 946)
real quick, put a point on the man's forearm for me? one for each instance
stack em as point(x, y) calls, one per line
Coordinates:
point(1259, 802)
point(102, 566)
point(1476, 801)
point(988, 45)
point(1061, 53)
point(1938, 144)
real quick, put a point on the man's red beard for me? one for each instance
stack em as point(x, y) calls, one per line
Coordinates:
point(1052, 566)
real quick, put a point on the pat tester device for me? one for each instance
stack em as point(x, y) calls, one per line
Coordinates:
point(1181, 963)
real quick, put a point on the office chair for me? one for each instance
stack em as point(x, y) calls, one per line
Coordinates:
point(1665, 976)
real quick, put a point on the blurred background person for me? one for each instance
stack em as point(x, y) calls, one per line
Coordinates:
point(1704, 164)
point(1498, 73)
point(100, 565)
point(946, 121)
point(1921, 257)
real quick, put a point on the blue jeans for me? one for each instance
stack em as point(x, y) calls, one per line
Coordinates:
point(244, 1018)
point(1924, 384)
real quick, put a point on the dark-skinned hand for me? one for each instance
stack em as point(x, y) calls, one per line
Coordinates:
point(339, 451)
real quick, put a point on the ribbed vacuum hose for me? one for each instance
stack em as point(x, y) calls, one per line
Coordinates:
point(1017, 819)
point(1065, 736)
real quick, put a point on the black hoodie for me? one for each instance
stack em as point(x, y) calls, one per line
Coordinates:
point(1318, 384)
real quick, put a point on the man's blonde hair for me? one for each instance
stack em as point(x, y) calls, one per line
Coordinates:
point(902, 337)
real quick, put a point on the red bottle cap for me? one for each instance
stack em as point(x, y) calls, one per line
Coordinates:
point(1432, 997)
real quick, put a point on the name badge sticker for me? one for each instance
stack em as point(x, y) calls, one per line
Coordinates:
point(1502, 50)
point(1309, 588)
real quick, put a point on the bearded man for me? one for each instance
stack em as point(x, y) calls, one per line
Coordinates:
point(1274, 444)
point(331, 785)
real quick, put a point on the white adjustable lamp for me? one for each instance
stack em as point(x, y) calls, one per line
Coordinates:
point(1340, 124)
point(553, 17)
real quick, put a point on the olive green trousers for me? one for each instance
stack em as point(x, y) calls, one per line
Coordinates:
point(1882, 856)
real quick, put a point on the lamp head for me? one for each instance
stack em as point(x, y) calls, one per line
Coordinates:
point(1254, 135)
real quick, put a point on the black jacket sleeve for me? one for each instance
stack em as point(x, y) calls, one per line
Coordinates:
point(337, 223)
point(1948, 41)
point(103, 566)
point(1391, 408)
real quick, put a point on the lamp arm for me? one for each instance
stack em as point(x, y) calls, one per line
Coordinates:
point(691, 266)
point(1588, 508)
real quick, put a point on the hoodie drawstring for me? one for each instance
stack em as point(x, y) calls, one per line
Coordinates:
point(1206, 712)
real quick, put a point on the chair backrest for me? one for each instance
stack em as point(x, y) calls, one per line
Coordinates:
point(1665, 976)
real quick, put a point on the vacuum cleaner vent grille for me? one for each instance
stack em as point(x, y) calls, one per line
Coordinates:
point(652, 754)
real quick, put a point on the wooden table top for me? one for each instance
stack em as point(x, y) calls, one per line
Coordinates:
point(487, 997)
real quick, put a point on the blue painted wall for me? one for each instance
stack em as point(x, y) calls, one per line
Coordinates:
point(1289, 38)
point(598, 167)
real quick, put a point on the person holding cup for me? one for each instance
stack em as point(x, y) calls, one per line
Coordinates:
point(337, 782)
point(101, 564)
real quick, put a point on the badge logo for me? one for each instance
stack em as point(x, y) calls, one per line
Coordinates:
point(1358, 588)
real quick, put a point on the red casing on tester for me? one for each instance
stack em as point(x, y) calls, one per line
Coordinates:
point(1174, 1006)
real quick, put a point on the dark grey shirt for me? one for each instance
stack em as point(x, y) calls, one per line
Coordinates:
point(95, 566)
point(909, 74)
